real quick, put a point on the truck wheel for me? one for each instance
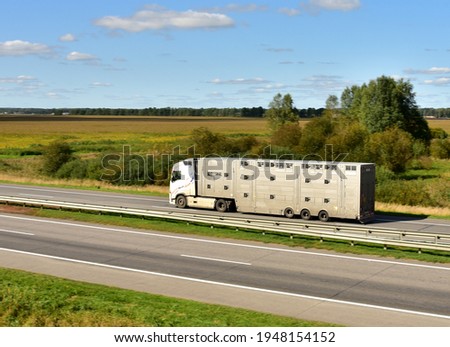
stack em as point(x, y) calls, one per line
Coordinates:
point(181, 201)
point(323, 216)
point(289, 212)
point(221, 205)
point(305, 214)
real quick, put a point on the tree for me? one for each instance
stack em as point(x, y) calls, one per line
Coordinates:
point(287, 135)
point(386, 103)
point(55, 156)
point(391, 148)
point(208, 143)
point(332, 102)
point(281, 111)
point(315, 134)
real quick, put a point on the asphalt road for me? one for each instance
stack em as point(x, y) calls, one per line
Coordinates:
point(161, 203)
point(325, 286)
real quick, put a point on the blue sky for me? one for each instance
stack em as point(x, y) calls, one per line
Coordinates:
point(136, 54)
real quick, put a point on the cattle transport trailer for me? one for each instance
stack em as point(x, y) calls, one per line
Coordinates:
point(280, 187)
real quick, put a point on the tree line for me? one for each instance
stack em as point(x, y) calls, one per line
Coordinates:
point(253, 112)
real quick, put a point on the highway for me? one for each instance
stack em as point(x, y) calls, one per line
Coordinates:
point(161, 203)
point(320, 285)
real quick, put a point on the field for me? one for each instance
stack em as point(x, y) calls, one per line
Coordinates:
point(440, 123)
point(30, 131)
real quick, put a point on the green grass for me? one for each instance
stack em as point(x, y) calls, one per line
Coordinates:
point(39, 300)
point(249, 235)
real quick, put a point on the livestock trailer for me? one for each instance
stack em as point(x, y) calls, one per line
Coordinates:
point(304, 188)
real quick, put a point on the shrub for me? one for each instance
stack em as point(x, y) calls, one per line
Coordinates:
point(75, 169)
point(438, 133)
point(287, 135)
point(56, 154)
point(440, 148)
point(391, 148)
point(208, 143)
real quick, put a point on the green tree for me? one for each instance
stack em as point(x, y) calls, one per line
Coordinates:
point(391, 148)
point(440, 148)
point(281, 111)
point(386, 103)
point(209, 143)
point(315, 134)
point(287, 135)
point(56, 154)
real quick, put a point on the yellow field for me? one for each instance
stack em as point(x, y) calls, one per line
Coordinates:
point(24, 131)
point(440, 123)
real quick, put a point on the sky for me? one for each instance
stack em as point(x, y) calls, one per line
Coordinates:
point(138, 53)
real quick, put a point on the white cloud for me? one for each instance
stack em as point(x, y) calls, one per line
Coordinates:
point(67, 38)
point(101, 84)
point(257, 80)
point(443, 81)
point(289, 11)
point(238, 8)
point(323, 82)
point(77, 56)
point(315, 6)
point(156, 18)
point(431, 71)
point(22, 48)
point(335, 5)
point(18, 80)
point(20, 85)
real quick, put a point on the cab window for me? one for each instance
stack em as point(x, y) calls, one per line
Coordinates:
point(176, 175)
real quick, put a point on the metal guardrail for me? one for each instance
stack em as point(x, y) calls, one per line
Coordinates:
point(383, 236)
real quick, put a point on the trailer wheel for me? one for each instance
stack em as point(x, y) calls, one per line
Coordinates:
point(323, 216)
point(289, 212)
point(221, 205)
point(305, 214)
point(181, 201)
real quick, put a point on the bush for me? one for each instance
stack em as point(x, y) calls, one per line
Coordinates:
point(75, 169)
point(287, 135)
point(56, 154)
point(440, 148)
point(208, 143)
point(391, 148)
point(418, 192)
point(438, 133)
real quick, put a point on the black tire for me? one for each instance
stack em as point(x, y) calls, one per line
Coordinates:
point(305, 214)
point(221, 205)
point(181, 201)
point(289, 212)
point(323, 216)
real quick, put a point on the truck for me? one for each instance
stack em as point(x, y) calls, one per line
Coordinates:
point(290, 188)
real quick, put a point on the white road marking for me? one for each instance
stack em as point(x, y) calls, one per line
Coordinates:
point(15, 232)
point(393, 309)
point(215, 259)
point(295, 251)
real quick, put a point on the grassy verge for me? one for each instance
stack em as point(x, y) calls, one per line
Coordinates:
point(249, 235)
point(40, 300)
